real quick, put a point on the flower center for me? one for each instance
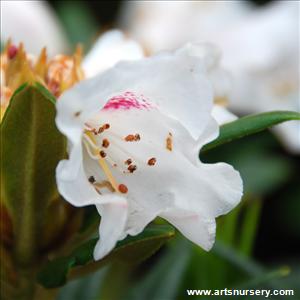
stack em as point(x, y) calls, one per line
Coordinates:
point(126, 138)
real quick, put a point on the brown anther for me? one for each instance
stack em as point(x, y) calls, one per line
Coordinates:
point(132, 168)
point(92, 179)
point(129, 138)
point(132, 138)
point(104, 127)
point(102, 153)
point(152, 161)
point(12, 51)
point(94, 131)
point(77, 114)
point(115, 165)
point(123, 188)
point(128, 161)
point(105, 143)
point(169, 142)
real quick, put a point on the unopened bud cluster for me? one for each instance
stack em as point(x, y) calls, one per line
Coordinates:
point(57, 74)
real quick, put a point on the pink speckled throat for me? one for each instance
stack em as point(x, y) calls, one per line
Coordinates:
point(127, 101)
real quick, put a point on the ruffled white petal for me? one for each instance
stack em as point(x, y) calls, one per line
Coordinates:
point(112, 225)
point(112, 47)
point(74, 187)
point(73, 184)
point(196, 227)
point(176, 82)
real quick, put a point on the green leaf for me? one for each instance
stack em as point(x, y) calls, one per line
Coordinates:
point(31, 148)
point(249, 225)
point(265, 278)
point(275, 168)
point(163, 280)
point(242, 262)
point(250, 125)
point(132, 249)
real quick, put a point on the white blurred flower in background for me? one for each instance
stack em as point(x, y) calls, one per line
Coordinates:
point(111, 47)
point(260, 47)
point(162, 25)
point(34, 24)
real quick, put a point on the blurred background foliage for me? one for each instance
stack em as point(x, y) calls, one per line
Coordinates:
point(257, 243)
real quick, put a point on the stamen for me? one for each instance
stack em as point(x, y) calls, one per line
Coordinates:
point(102, 153)
point(104, 127)
point(77, 113)
point(129, 138)
point(132, 168)
point(128, 161)
point(104, 184)
point(123, 188)
point(88, 140)
point(132, 138)
point(92, 179)
point(169, 142)
point(87, 147)
point(105, 143)
point(104, 166)
point(152, 161)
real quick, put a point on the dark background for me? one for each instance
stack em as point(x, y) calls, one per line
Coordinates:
point(106, 12)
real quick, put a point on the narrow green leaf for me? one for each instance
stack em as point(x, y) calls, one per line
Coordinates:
point(228, 226)
point(226, 252)
point(265, 278)
point(163, 280)
point(31, 148)
point(249, 226)
point(250, 125)
point(132, 249)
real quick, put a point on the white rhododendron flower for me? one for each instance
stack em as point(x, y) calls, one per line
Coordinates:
point(260, 47)
point(134, 135)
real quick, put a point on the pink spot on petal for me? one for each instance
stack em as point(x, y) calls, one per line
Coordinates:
point(127, 101)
